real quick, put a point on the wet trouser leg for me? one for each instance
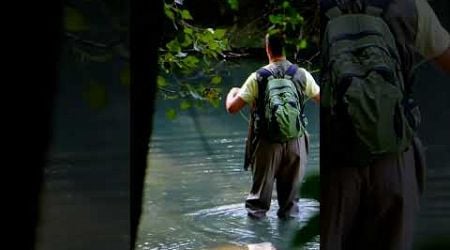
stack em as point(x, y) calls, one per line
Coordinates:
point(369, 208)
point(281, 161)
point(267, 158)
point(288, 177)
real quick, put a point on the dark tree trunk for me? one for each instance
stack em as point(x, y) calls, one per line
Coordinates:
point(32, 72)
point(145, 32)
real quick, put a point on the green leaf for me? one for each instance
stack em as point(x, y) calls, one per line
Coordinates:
point(173, 46)
point(184, 105)
point(220, 33)
point(191, 61)
point(216, 80)
point(187, 41)
point(213, 45)
point(286, 4)
point(161, 82)
point(171, 114)
point(276, 19)
point(298, 18)
point(169, 12)
point(234, 4)
point(185, 14)
point(303, 44)
point(74, 21)
point(188, 31)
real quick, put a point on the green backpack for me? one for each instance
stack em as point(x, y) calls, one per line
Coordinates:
point(280, 106)
point(363, 93)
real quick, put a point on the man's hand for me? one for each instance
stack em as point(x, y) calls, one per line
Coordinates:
point(317, 98)
point(234, 103)
point(443, 61)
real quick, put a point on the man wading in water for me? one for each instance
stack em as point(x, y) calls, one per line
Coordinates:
point(277, 143)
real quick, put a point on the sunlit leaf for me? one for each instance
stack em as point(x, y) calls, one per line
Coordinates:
point(185, 14)
point(188, 31)
point(303, 44)
point(276, 19)
point(213, 45)
point(161, 82)
point(187, 41)
point(220, 33)
point(74, 21)
point(234, 4)
point(216, 80)
point(171, 114)
point(169, 12)
point(191, 61)
point(184, 105)
point(173, 46)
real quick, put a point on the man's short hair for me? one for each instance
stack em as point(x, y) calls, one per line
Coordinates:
point(275, 42)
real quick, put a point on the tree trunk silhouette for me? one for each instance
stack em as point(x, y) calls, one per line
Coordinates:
point(32, 73)
point(145, 32)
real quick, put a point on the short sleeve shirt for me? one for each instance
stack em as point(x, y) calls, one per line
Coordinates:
point(432, 39)
point(249, 90)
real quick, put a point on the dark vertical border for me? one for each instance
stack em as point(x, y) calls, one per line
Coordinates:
point(145, 31)
point(32, 37)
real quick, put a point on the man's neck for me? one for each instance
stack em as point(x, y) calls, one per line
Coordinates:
point(277, 59)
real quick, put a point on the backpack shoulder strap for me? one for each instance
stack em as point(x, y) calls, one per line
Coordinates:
point(262, 76)
point(263, 73)
point(300, 86)
point(291, 70)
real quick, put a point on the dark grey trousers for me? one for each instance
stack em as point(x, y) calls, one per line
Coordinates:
point(283, 163)
point(372, 207)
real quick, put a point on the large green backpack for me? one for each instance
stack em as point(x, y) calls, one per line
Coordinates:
point(280, 106)
point(363, 93)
